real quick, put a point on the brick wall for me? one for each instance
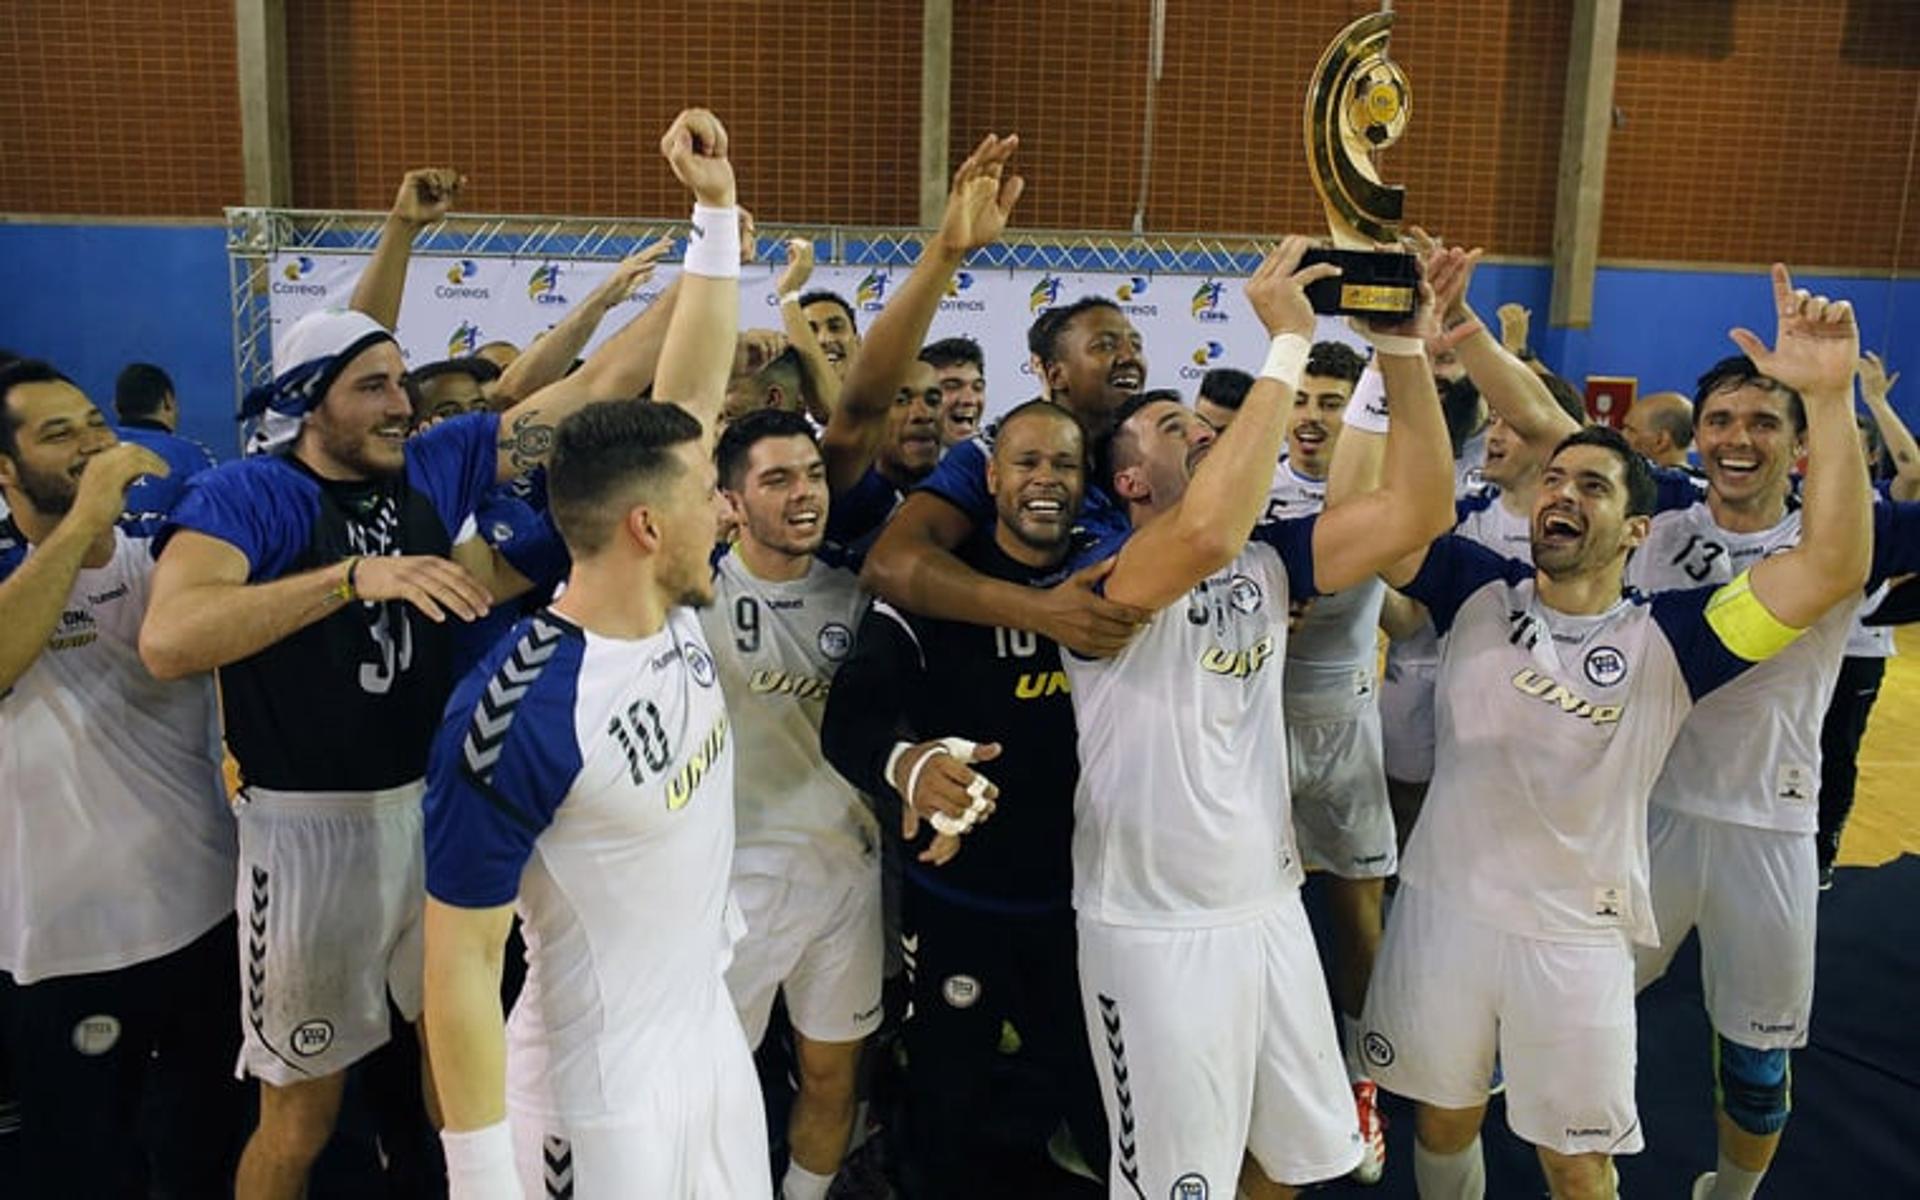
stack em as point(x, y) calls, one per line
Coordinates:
point(1748, 129)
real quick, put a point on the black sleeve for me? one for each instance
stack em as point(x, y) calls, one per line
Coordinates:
point(866, 710)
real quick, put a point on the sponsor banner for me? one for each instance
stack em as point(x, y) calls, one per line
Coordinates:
point(1189, 323)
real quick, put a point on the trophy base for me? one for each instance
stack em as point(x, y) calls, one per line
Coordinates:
point(1372, 283)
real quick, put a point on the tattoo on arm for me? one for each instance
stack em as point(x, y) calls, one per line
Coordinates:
point(528, 443)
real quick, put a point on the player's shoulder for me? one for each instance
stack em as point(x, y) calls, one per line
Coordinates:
point(523, 690)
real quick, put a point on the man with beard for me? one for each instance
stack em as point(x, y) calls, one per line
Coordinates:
point(915, 708)
point(117, 1007)
point(314, 575)
point(1524, 889)
point(585, 769)
point(1733, 848)
point(1197, 966)
point(806, 868)
point(1092, 361)
point(960, 369)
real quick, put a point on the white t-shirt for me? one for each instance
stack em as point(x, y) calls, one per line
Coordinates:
point(116, 842)
point(1332, 650)
point(1182, 816)
point(778, 646)
point(593, 778)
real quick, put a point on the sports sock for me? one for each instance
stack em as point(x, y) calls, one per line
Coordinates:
point(1461, 1176)
point(1732, 1183)
point(802, 1184)
point(1350, 1037)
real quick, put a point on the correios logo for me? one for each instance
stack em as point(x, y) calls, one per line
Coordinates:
point(292, 281)
point(463, 341)
point(543, 286)
point(1203, 357)
point(460, 283)
point(1129, 294)
point(1045, 293)
point(868, 294)
point(1206, 301)
point(956, 298)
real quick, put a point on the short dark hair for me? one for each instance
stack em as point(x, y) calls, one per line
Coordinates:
point(1738, 371)
point(829, 296)
point(1038, 407)
point(1056, 321)
point(606, 450)
point(12, 375)
point(140, 391)
point(1642, 492)
point(1103, 449)
point(954, 352)
point(477, 369)
point(739, 438)
point(1225, 386)
point(1567, 396)
point(1335, 360)
point(1459, 405)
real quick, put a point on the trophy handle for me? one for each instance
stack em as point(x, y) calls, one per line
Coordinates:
point(1358, 103)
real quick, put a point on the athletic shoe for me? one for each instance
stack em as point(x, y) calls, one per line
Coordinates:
point(1373, 1129)
point(1703, 1186)
point(1064, 1152)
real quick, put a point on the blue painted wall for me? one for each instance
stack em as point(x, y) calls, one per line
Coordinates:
point(95, 297)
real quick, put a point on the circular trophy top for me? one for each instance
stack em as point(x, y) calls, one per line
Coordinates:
point(1379, 103)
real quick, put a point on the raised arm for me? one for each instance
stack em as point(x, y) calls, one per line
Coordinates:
point(698, 353)
point(1875, 385)
point(982, 197)
point(425, 196)
point(547, 359)
point(1210, 523)
point(33, 597)
point(1511, 387)
point(820, 385)
point(1816, 349)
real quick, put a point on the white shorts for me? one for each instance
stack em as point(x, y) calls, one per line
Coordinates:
point(1754, 895)
point(1407, 720)
point(814, 931)
point(331, 895)
point(701, 1135)
point(1448, 992)
point(1213, 1042)
point(1341, 816)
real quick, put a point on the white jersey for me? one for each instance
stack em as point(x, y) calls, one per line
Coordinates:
point(1182, 816)
point(1332, 650)
point(1551, 731)
point(117, 842)
point(778, 646)
point(1751, 754)
point(1481, 518)
point(593, 778)
point(1871, 641)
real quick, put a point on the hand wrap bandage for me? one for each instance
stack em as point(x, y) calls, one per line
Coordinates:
point(1286, 360)
point(1394, 344)
point(713, 244)
point(954, 747)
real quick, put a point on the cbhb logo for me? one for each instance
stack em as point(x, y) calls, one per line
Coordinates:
point(543, 286)
point(464, 340)
point(461, 271)
point(1206, 301)
point(299, 268)
point(867, 295)
point(1202, 357)
point(1045, 293)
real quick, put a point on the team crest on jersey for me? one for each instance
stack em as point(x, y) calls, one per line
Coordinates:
point(700, 663)
point(1605, 666)
point(1191, 1186)
point(1245, 595)
point(835, 640)
point(500, 533)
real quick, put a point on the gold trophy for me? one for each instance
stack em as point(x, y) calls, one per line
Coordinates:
point(1357, 106)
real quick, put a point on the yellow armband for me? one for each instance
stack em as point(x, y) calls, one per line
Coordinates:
point(1743, 623)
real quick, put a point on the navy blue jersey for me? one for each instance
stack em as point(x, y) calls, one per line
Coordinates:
point(153, 496)
point(350, 702)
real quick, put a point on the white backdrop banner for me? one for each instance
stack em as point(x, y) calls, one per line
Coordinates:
point(1190, 323)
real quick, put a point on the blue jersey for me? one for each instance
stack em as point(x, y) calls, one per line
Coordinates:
point(153, 496)
point(349, 702)
point(961, 480)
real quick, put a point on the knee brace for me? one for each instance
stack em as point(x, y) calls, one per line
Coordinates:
point(1751, 1086)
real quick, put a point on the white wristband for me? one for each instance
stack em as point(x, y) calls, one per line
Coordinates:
point(1367, 411)
point(1286, 359)
point(893, 760)
point(1395, 345)
point(480, 1164)
point(787, 298)
point(713, 245)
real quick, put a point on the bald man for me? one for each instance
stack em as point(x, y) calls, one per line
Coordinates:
point(1660, 426)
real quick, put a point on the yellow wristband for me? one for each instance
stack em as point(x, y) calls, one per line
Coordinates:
point(345, 593)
